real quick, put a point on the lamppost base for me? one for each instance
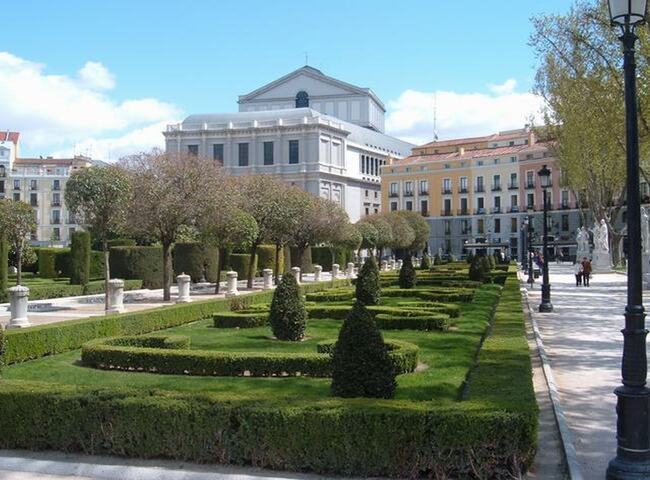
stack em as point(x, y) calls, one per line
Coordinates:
point(622, 469)
point(546, 307)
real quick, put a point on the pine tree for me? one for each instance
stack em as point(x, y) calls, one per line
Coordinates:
point(368, 290)
point(288, 317)
point(407, 274)
point(361, 366)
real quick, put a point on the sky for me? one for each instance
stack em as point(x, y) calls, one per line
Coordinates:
point(104, 78)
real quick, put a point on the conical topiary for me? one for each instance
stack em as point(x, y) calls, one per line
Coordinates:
point(288, 317)
point(361, 366)
point(368, 290)
point(426, 263)
point(407, 274)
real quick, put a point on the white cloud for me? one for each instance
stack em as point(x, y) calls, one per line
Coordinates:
point(54, 113)
point(459, 115)
point(95, 75)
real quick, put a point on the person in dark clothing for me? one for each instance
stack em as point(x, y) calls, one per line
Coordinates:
point(577, 271)
point(586, 271)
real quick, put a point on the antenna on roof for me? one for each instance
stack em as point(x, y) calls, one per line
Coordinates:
point(435, 116)
point(306, 58)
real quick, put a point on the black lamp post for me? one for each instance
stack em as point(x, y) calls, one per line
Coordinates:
point(545, 182)
point(633, 403)
point(528, 222)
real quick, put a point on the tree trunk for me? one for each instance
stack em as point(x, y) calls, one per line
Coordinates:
point(19, 261)
point(219, 262)
point(616, 249)
point(167, 269)
point(251, 267)
point(107, 271)
point(301, 253)
point(278, 249)
point(333, 253)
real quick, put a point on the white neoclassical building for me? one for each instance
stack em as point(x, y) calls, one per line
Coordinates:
point(314, 131)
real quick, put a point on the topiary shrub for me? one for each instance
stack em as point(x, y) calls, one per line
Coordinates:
point(196, 260)
point(137, 263)
point(361, 366)
point(120, 242)
point(238, 262)
point(288, 317)
point(437, 259)
point(46, 262)
point(266, 258)
point(426, 263)
point(4, 272)
point(480, 268)
point(96, 264)
point(368, 290)
point(306, 266)
point(492, 261)
point(470, 257)
point(406, 274)
point(80, 258)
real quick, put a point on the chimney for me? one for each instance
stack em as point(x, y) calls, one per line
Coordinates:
point(461, 151)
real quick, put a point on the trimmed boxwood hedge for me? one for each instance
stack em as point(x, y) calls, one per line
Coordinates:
point(46, 262)
point(35, 342)
point(404, 355)
point(266, 259)
point(239, 262)
point(243, 319)
point(138, 263)
point(60, 290)
point(332, 295)
point(80, 257)
point(426, 322)
point(196, 259)
point(4, 268)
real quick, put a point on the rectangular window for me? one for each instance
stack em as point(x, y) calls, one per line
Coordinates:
point(479, 184)
point(513, 159)
point(56, 234)
point(565, 199)
point(446, 185)
point(480, 203)
point(497, 202)
point(463, 184)
point(16, 197)
point(363, 164)
point(530, 203)
point(243, 154)
point(408, 188)
point(565, 223)
point(268, 153)
point(33, 185)
point(56, 184)
point(480, 226)
point(513, 224)
point(56, 199)
point(447, 206)
point(496, 182)
point(2, 186)
point(393, 206)
point(16, 184)
point(56, 217)
point(193, 149)
point(409, 206)
point(293, 151)
point(424, 208)
point(497, 225)
point(424, 187)
point(447, 227)
point(393, 189)
point(513, 200)
point(33, 199)
point(530, 179)
point(463, 206)
point(217, 152)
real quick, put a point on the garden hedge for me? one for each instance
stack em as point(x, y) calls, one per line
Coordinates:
point(46, 262)
point(4, 268)
point(404, 355)
point(266, 259)
point(323, 256)
point(138, 263)
point(196, 260)
point(35, 342)
point(239, 263)
point(96, 264)
point(307, 261)
point(60, 289)
point(425, 322)
point(243, 319)
point(80, 258)
point(120, 242)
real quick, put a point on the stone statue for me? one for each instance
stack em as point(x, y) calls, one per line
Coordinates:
point(645, 230)
point(582, 239)
point(601, 237)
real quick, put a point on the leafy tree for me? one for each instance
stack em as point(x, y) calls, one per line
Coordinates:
point(17, 221)
point(403, 234)
point(369, 235)
point(368, 290)
point(407, 276)
point(384, 232)
point(288, 317)
point(479, 268)
point(347, 237)
point(99, 198)
point(169, 194)
point(420, 229)
point(361, 366)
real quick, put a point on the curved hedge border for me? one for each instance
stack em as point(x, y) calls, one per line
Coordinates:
point(244, 319)
point(426, 322)
point(170, 355)
point(403, 354)
point(334, 295)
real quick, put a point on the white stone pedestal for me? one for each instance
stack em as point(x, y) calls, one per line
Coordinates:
point(231, 284)
point(335, 270)
point(115, 296)
point(183, 282)
point(267, 273)
point(601, 262)
point(399, 265)
point(384, 266)
point(391, 264)
point(317, 272)
point(349, 271)
point(18, 298)
point(296, 273)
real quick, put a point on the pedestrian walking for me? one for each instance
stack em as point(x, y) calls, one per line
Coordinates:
point(577, 270)
point(586, 271)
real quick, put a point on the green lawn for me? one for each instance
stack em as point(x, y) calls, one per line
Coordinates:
point(446, 358)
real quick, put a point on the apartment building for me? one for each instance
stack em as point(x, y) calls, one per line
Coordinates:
point(478, 190)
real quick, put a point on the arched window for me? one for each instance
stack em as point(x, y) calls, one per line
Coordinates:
point(302, 99)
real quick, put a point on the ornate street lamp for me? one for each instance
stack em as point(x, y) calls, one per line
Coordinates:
point(633, 403)
point(545, 182)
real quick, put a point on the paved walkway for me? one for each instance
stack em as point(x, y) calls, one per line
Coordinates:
point(584, 345)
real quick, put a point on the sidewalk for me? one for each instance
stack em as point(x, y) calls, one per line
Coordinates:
point(584, 345)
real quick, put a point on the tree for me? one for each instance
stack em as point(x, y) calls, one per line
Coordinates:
point(369, 235)
point(403, 235)
point(262, 197)
point(99, 198)
point(384, 232)
point(361, 366)
point(226, 227)
point(368, 290)
point(347, 237)
point(420, 229)
point(170, 190)
point(407, 276)
point(580, 79)
point(288, 317)
point(4, 267)
point(17, 221)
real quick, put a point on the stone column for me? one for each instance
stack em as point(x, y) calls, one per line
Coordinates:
point(384, 266)
point(231, 284)
point(349, 271)
point(115, 296)
point(18, 298)
point(335, 270)
point(267, 273)
point(296, 273)
point(317, 271)
point(183, 282)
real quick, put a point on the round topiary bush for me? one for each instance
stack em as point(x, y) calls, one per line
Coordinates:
point(479, 268)
point(368, 290)
point(426, 263)
point(406, 274)
point(288, 317)
point(361, 365)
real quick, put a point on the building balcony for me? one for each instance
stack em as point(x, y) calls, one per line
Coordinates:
point(56, 221)
point(480, 211)
point(446, 213)
point(446, 191)
point(479, 189)
point(513, 186)
point(530, 185)
point(496, 188)
point(425, 213)
point(393, 195)
point(463, 211)
point(56, 204)
point(408, 194)
point(496, 209)
point(565, 206)
point(530, 208)
point(514, 209)
point(467, 231)
point(462, 190)
point(424, 192)
point(56, 188)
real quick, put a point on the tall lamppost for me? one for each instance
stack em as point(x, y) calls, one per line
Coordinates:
point(524, 245)
point(528, 222)
point(545, 182)
point(633, 397)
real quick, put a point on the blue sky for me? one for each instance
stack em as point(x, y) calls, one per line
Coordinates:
point(197, 56)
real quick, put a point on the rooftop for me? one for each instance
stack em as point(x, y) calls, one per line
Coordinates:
point(469, 154)
point(9, 136)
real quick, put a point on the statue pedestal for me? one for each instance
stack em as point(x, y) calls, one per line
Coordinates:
point(601, 262)
point(580, 254)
